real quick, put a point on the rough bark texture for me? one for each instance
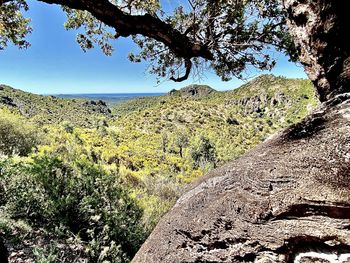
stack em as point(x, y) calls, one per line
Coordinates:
point(321, 31)
point(286, 201)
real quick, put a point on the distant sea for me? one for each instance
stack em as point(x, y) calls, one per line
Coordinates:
point(109, 98)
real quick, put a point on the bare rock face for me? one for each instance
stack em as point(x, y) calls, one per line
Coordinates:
point(320, 29)
point(288, 200)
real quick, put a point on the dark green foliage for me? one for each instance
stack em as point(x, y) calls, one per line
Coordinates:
point(13, 26)
point(237, 33)
point(204, 153)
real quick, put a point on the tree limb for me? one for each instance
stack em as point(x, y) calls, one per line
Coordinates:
point(146, 25)
point(188, 65)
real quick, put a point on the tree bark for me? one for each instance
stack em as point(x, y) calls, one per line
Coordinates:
point(321, 31)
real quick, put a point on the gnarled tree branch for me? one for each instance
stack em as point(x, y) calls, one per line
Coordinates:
point(145, 25)
point(188, 65)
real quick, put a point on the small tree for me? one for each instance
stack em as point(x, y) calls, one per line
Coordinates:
point(165, 141)
point(181, 141)
point(203, 153)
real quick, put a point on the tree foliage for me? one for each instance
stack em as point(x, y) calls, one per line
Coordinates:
point(14, 27)
point(227, 37)
point(203, 153)
point(237, 33)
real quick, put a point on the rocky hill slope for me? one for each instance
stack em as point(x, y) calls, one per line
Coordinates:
point(234, 120)
point(286, 201)
point(50, 109)
point(153, 147)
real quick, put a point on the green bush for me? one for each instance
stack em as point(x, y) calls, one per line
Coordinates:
point(16, 135)
point(78, 196)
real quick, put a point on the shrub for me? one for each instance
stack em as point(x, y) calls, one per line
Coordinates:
point(203, 153)
point(78, 196)
point(17, 136)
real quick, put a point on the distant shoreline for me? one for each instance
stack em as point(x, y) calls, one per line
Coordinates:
point(107, 94)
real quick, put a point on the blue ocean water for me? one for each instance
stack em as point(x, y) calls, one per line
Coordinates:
point(109, 98)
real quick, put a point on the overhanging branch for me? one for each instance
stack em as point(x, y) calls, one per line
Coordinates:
point(188, 65)
point(146, 25)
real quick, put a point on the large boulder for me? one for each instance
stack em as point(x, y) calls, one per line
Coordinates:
point(288, 200)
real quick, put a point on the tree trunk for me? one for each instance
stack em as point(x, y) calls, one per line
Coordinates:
point(320, 30)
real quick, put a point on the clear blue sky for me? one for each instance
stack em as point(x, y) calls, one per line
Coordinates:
point(55, 63)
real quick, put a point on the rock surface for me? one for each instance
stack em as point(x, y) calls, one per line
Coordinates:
point(288, 200)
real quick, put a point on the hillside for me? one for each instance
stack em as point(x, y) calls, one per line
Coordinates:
point(80, 183)
point(50, 109)
point(234, 120)
point(287, 200)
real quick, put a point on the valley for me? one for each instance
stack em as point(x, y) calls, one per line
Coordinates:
point(94, 180)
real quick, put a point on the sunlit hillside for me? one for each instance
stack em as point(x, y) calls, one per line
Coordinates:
point(82, 181)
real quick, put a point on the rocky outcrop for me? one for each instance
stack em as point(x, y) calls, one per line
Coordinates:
point(98, 106)
point(7, 101)
point(288, 200)
point(259, 103)
point(253, 104)
point(192, 91)
point(320, 30)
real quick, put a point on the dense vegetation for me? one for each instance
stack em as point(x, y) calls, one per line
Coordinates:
point(94, 189)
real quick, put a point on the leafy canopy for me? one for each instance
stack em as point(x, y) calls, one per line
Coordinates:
point(13, 26)
point(225, 36)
